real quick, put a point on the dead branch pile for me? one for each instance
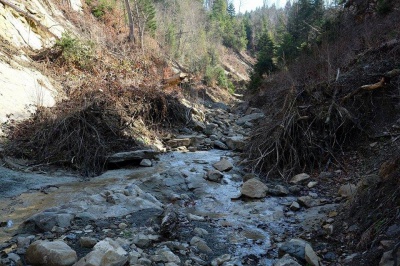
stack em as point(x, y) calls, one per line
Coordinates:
point(302, 135)
point(81, 132)
point(310, 120)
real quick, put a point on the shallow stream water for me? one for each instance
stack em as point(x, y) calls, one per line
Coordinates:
point(240, 227)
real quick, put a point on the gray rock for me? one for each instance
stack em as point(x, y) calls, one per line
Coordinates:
point(220, 260)
point(387, 258)
point(294, 206)
point(220, 145)
point(142, 240)
point(47, 220)
point(15, 258)
point(312, 184)
point(87, 242)
point(254, 188)
point(146, 163)
point(56, 253)
point(166, 255)
point(347, 191)
point(210, 129)
point(193, 217)
point(295, 248)
point(200, 232)
point(200, 244)
point(286, 260)
point(134, 257)
point(278, 190)
point(235, 143)
point(308, 201)
point(223, 165)
point(132, 156)
point(249, 118)
point(299, 178)
point(214, 175)
point(24, 242)
point(310, 256)
point(175, 143)
point(325, 175)
point(198, 125)
point(249, 176)
point(169, 223)
point(122, 226)
point(106, 252)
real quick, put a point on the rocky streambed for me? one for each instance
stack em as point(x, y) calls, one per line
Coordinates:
point(191, 206)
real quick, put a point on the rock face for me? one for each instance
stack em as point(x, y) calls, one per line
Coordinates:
point(56, 253)
point(22, 88)
point(254, 188)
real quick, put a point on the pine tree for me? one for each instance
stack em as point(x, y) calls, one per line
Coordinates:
point(231, 10)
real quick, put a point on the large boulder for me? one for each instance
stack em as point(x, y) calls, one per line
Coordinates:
point(105, 253)
point(254, 188)
point(56, 253)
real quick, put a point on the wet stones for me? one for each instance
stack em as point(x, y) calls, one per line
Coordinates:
point(56, 253)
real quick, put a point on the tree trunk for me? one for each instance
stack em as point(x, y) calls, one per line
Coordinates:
point(131, 25)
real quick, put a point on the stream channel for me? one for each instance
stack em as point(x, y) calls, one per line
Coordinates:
point(240, 227)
